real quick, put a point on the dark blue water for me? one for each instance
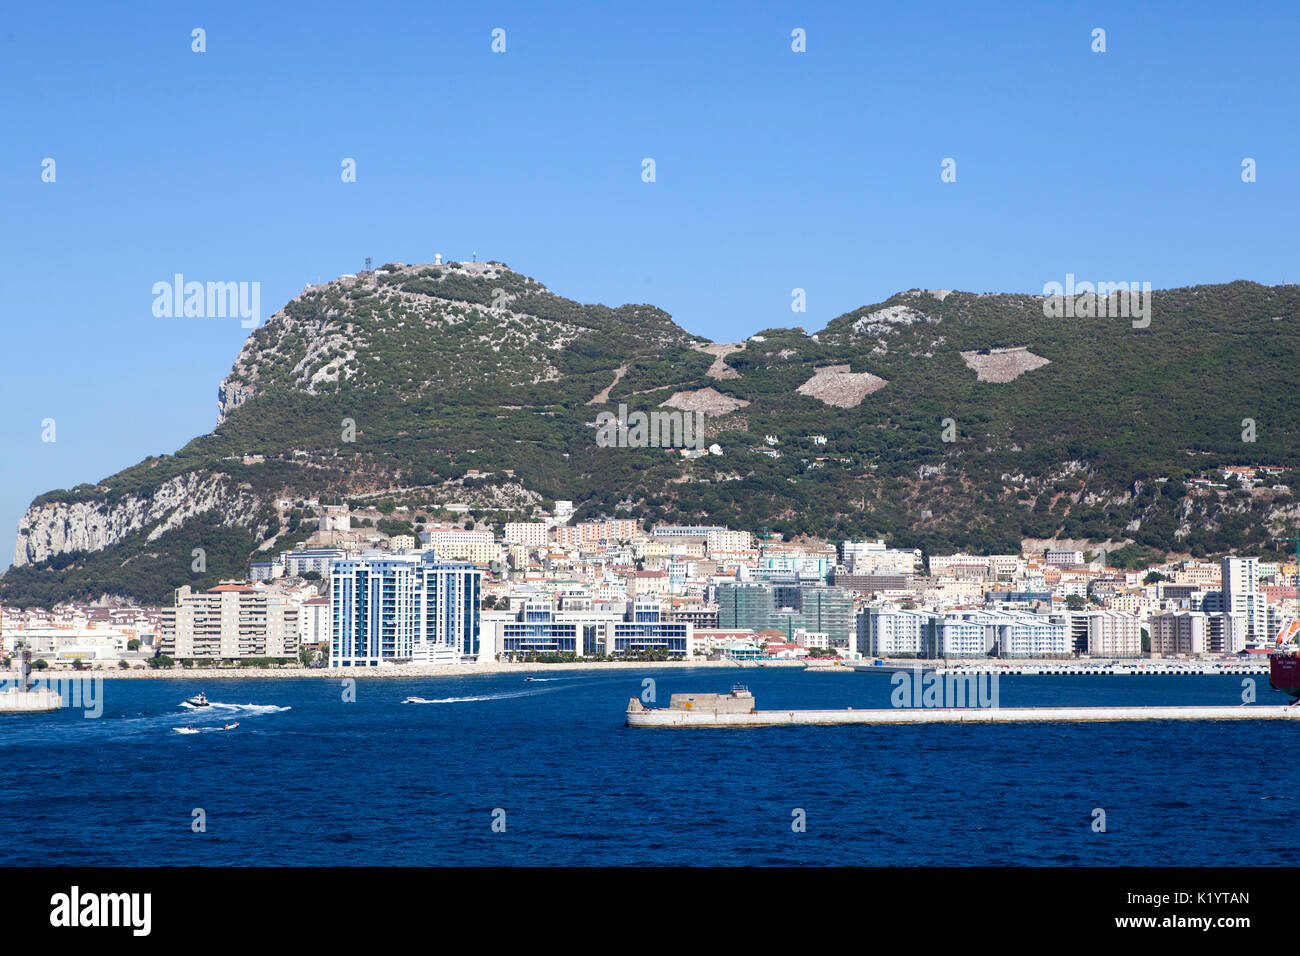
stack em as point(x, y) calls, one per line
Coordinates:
point(381, 782)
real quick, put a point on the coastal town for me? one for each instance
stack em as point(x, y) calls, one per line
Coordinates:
point(382, 585)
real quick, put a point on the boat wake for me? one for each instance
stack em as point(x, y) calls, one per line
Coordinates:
point(203, 730)
point(250, 709)
point(466, 700)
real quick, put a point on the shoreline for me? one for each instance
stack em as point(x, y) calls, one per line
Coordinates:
point(1151, 666)
point(389, 673)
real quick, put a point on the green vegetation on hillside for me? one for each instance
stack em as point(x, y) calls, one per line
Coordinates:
point(1096, 445)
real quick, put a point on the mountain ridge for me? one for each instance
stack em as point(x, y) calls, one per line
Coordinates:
point(949, 419)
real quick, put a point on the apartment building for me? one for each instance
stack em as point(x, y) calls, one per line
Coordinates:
point(459, 544)
point(314, 619)
point(533, 534)
point(892, 632)
point(388, 609)
point(1102, 633)
point(1241, 595)
point(604, 529)
point(229, 622)
point(872, 557)
point(538, 626)
point(319, 560)
point(1179, 632)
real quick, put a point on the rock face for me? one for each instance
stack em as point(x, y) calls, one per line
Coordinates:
point(884, 320)
point(229, 397)
point(56, 528)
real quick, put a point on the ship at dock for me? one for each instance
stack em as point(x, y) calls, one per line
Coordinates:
point(1284, 662)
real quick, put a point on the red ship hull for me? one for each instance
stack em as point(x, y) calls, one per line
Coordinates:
point(1284, 673)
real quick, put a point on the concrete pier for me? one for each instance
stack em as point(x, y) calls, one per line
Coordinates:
point(639, 716)
point(29, 701)
point(1145, 668)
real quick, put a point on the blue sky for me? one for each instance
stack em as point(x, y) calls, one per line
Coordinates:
point(775, 170)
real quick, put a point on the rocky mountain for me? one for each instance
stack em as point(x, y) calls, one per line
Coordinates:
point(940, 419)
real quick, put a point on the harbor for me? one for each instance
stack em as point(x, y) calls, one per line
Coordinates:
point(737, 709)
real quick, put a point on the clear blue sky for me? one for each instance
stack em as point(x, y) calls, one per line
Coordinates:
point(775, 170)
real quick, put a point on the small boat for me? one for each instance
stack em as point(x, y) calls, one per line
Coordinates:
point(198, 700)
point(530, 678)
point(231, 726)
point(416, 700)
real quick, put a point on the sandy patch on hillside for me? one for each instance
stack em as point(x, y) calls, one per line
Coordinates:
point(1002, 365)
point(707, 400)
point(602, 396)
point(836, 385)
point(719, 351)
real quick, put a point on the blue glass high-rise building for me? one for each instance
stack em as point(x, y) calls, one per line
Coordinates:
point(400, 608)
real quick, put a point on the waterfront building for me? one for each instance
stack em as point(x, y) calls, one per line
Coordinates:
point(828, 610)
point(1225, 633)
point(538, 626)
point(788, 607)
point(1022, 635)
point(1179, 632)
point(745, 606)
point(709, 641)
point(229, 622)
point(314, 619)
point(643, 629)
point(954, 635)
point(893, 632)
point(84, 645)
point(389, 609)
point(699, 615)
point(1102, 633)
point(1241, 595)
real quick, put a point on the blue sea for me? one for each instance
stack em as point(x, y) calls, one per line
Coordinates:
point(309, 778)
